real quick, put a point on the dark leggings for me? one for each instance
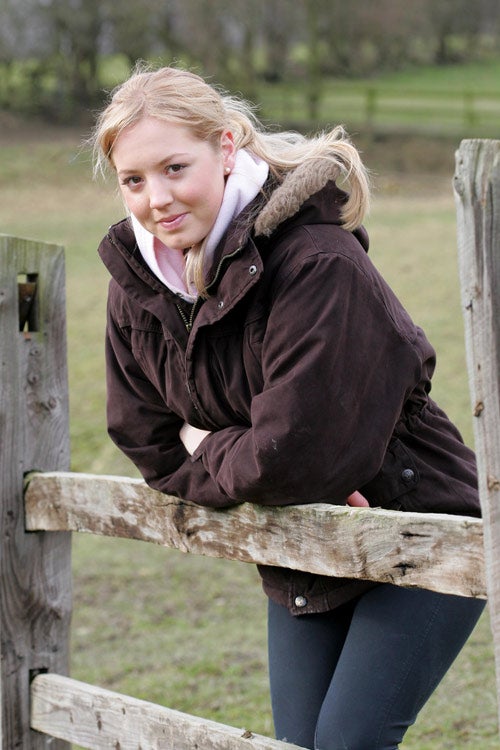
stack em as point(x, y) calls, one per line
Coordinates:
point(356, 678)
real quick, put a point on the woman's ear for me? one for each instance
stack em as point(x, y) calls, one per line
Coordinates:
point(228, 150)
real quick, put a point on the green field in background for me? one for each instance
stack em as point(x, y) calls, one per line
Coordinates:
point(189, 632)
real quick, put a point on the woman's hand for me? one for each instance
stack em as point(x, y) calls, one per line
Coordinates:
point(357, 500)
point(192, 437)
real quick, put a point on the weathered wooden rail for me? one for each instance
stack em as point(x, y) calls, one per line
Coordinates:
point(98, 718)
point(439, 552)
point(41, 502)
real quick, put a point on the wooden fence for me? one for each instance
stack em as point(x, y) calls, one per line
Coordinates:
point(42, 502)
point(384, 108)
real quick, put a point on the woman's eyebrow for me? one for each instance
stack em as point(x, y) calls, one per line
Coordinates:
point(164, 160)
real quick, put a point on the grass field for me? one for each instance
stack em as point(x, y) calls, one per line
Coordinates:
point(189, 632)
point(462, 101)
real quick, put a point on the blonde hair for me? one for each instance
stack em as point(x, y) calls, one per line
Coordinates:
point(182, 97)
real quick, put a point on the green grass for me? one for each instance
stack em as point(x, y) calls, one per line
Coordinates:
point(461, 101)
point(189, 632)
point(475, 76)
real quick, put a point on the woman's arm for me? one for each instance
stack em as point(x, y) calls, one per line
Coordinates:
point(191, 438)
point(339, 359)
point(336, 375)
point(147, 432)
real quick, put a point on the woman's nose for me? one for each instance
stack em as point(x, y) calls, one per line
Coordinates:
point(160, 193)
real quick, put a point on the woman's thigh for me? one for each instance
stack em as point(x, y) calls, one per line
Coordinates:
point(303, 653)
point(399, 645)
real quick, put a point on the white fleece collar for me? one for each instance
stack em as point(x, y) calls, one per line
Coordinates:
point(242, 185)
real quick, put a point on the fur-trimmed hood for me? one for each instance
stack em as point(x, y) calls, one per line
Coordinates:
point(308, 195)
point(297, 187)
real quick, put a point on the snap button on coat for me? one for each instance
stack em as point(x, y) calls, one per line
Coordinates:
point(252, 270)
point(407, 475)
point(300, 601)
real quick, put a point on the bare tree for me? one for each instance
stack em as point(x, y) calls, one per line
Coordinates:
point(74, 31)
point(447, 21)
point(24, 42)
point(391, 33)
point(141, 29)
point(279, 31)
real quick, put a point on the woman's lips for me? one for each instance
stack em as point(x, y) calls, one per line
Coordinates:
point(172, 222)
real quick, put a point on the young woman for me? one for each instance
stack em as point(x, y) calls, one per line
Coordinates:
point(255, 354)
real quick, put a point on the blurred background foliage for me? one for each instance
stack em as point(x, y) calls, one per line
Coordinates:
point(58, 56)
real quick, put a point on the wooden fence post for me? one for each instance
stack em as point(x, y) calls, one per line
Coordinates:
point(35, 568)
point(477, 193)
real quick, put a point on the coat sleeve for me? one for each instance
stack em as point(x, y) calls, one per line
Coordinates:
point(340, 357)
point(147, 431)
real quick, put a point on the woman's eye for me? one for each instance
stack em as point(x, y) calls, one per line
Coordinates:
point(175, 168)
point(132, 181)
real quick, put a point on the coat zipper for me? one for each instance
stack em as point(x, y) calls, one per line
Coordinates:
point(188, 322)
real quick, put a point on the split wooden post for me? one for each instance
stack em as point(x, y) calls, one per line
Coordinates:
point(35, 568)
point(477, 193)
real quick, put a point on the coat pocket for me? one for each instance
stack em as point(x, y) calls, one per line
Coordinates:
point(397, 476)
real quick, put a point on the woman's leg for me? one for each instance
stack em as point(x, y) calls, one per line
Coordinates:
point(400, 644)
point(303, 653)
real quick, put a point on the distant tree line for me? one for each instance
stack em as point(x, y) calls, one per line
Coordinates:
point(53, 53)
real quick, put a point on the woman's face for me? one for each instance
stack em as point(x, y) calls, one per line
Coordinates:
point(170, 180)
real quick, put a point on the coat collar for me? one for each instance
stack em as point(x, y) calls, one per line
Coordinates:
point(307, 195)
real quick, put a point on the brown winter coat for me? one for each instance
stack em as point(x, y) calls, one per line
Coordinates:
point(310, 375)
